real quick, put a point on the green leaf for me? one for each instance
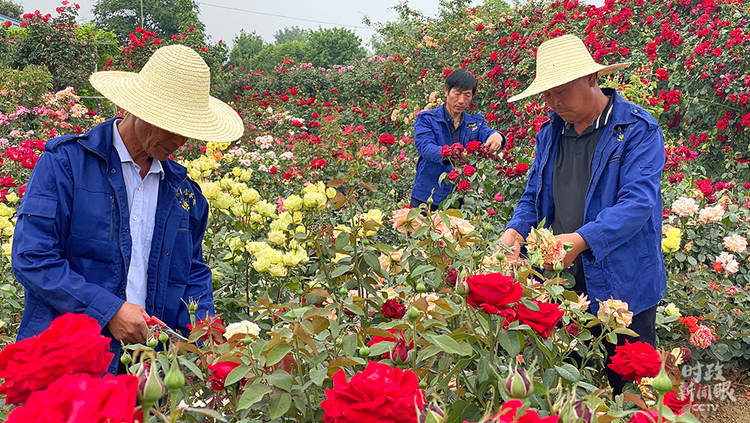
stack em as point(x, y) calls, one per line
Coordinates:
point(190, 365)
point(382, 348)
point(384, 248)
point(372, 261)
point(237, 374)
point(680, 256)
point(340, 271)
point(342, 240)
point(413, 213)
point(281, 380)
point(279, 404)
point(421, 269)
point(450, 345)
point(252, 395)
point(277, 354)
point(510, 342)
point(318, 376)
point(568, 372)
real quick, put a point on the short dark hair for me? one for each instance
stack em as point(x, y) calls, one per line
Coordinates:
point(461, 79)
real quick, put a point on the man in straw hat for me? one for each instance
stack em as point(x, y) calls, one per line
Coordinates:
point(596, 182)
point(109, 226)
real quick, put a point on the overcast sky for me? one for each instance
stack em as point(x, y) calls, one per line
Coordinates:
point(223, 21)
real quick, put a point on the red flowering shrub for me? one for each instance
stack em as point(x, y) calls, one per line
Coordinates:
point(72, 344)
point(490, 292)
point(542, 320)
point(318, 164)
point(81, 398)
point(635, 361)
point(378, 393)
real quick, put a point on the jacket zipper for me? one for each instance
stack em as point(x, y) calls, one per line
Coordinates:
point(161, 245)
point(591, 180)
point(112, 218)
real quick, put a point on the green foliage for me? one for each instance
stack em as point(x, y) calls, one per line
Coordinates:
point(244, 48)
point(333, 46)
point(11, 9)
point(165, 17)
point(57, 45)
point(290, 33)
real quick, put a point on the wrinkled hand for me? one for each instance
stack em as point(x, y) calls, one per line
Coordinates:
point(129, 324)
point(512, 239)
point(579, 246)
point(494, 142)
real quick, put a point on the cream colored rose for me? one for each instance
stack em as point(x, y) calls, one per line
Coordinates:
point(735, 243)
point(684, 206)
point(244, 327)
point(615, 312)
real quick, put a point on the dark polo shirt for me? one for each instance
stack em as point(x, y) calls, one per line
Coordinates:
point(570, 181)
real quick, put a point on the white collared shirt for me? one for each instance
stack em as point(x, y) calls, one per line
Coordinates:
point(143, 195)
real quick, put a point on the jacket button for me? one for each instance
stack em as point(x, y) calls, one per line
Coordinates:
point(122, 292)
point(168, 253)
point(113, 171)
point(588, 276)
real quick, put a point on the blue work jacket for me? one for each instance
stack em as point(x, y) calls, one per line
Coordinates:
point(72, 244)
point(431, 132)
point(623, 209)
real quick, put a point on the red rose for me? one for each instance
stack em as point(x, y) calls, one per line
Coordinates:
point(220, 371)
point(447, 72)
point(378, 393)
point(492, 291)
point(721, 125)
point(480, 27)
point(662, 74)
point(82, 398)
point(72, 344)
point(635, 361)
point(464, 185)
point(521, 168)
point(472, 146)
point(313, 124)
point(318, 164)
point(393, 309)
point(674, 402)
point(451, 277)
point(394, 176)
point(453, 175)
point(542, 320)
point(297, 124)
point(469, 170)
point(387, 139)
point(210, 325)
point(509, 410)
point(645, 416)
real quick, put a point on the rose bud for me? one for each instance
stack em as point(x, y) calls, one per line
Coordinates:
point(462, 288)
point(451, 277)
point(150, 386)
point(573, 330)
point(662, 383)
point(174, 379)
point(400, 352)
point(393, 309)
point(413, 314)
point(685, 353)
point(518, 384)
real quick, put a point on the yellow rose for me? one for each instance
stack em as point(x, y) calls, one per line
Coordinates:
point(276, 238)
point(671, 242)
point(290, 260)
point(314, 200)
point(275, 256)
point(330, 192)
point(261, 264)
point(293, 203)
point(5, 210)
point(223, 201)
point(278, 270)
point(250, 196)
point(211, 190)
point(672, 310)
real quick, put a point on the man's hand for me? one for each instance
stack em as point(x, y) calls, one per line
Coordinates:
point(512, 239)
point(579, 246)
point(129, 324)
point(494, 142)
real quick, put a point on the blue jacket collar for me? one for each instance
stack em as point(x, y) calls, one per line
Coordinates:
point(99, 141)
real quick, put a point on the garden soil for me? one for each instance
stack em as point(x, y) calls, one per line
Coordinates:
point(732, 412)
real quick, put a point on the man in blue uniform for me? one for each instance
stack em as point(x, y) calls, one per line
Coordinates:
point(109, 225)
point(448, 124)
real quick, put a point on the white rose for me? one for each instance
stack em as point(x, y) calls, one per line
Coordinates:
point(244, 327)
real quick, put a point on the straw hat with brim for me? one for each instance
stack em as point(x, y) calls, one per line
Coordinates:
point(561, 60)
point(172, 93)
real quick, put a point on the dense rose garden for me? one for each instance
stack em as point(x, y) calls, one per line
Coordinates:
point(338, 303)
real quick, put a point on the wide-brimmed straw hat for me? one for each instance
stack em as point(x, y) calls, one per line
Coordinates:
point(561, 60)
point(172, 93)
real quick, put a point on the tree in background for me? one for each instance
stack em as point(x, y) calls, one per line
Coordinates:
point(322, 48)
point(290, 33)
point(333, 46)
point(10, 9)
point(164, 17)
point(244, 48)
